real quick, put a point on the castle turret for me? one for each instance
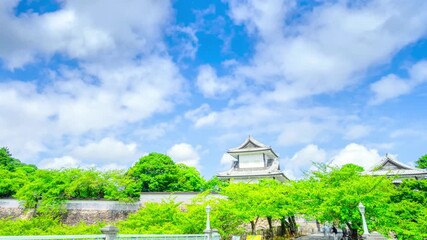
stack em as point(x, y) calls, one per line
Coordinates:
point(253, 160)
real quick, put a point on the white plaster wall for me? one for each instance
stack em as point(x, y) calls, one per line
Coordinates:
point(184, 197)
point(181, 197)
point(81, 205)
point(101, 205)
point(10, 203)
point(251, 161)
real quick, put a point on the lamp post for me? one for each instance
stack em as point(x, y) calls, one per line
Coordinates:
point(208, 230)
point(208, 223)
point(365, 226)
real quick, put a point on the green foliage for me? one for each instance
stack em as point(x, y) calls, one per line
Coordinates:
point(119, 186)
point(223, 216)
point(406, 215)
point(9, 163)
point(158, 173)
point(13, 173)
point(155, 218)
point(333, 194)
point(12, 181)
point(167, 217)
point(189, 179)
point(327, 194)
point(215, 184)
point(422, 162)
point(245, 200)
point(44, 192)
point(267, 199)
point(45, 225)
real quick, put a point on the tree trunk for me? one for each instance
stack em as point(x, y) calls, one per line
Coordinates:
point(253, 227)
point(292, 225)
point(283, 226)
point(270, 227)
point(352, 231)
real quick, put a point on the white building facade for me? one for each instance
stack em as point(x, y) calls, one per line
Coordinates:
point(390, 167)
point(253, 161)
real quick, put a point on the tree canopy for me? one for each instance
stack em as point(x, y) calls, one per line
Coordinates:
point(327, 194)
point(422, 162)
point(9, 163)
point(157, 172)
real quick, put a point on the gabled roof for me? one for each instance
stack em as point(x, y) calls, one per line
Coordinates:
point(389, 163)
point(251, 142)
point(390, 166)
point(252, 145)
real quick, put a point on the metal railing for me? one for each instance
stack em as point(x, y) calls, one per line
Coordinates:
point(57, 237)
point(162, 237)
point(111, 233)
point(118, 237)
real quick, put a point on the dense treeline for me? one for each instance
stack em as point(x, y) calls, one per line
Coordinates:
point(327, 195)
point(44, 190)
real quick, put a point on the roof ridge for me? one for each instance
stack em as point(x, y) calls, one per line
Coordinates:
point(252, 140)
point(390, 158)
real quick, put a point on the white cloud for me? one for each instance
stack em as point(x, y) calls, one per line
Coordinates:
point(202, 116)
point(357, 154)
point(61, 162)
point(106, 151)
point(302, 161)
point(185, 153)
point(418, 72)
point(227, 160)
point(406, 132)
point(82, 30)
point(299, 132)
point(392, 86)
point(357, 131)
point(210, 84)
point(389, 87)
point(123, 74)
point(328, 48)
point(34, 118)
point(322, 52)
point(186, 39)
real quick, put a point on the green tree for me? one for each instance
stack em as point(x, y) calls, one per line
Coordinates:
point(333, 194)
point(246, 200)
point(215, 184)
point(189, 179)
point(406, 215)
point(224, 216)
point(14, 174)
point(422, 162)
point(9, 163)
point(268, 199)
point(44, 192)
point(278, 203)
point(119, 186)
point(155, 218)
point(12, 181)
point(157, 172)
point(45, 225)
point(83, 184)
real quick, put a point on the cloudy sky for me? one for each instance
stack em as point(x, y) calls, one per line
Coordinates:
point(101, 83)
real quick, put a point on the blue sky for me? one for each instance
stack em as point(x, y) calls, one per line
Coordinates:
point(101, 83)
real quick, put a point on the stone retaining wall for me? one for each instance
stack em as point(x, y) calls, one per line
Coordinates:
point(77, 211)
point(111, 211)
point(92, 211)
